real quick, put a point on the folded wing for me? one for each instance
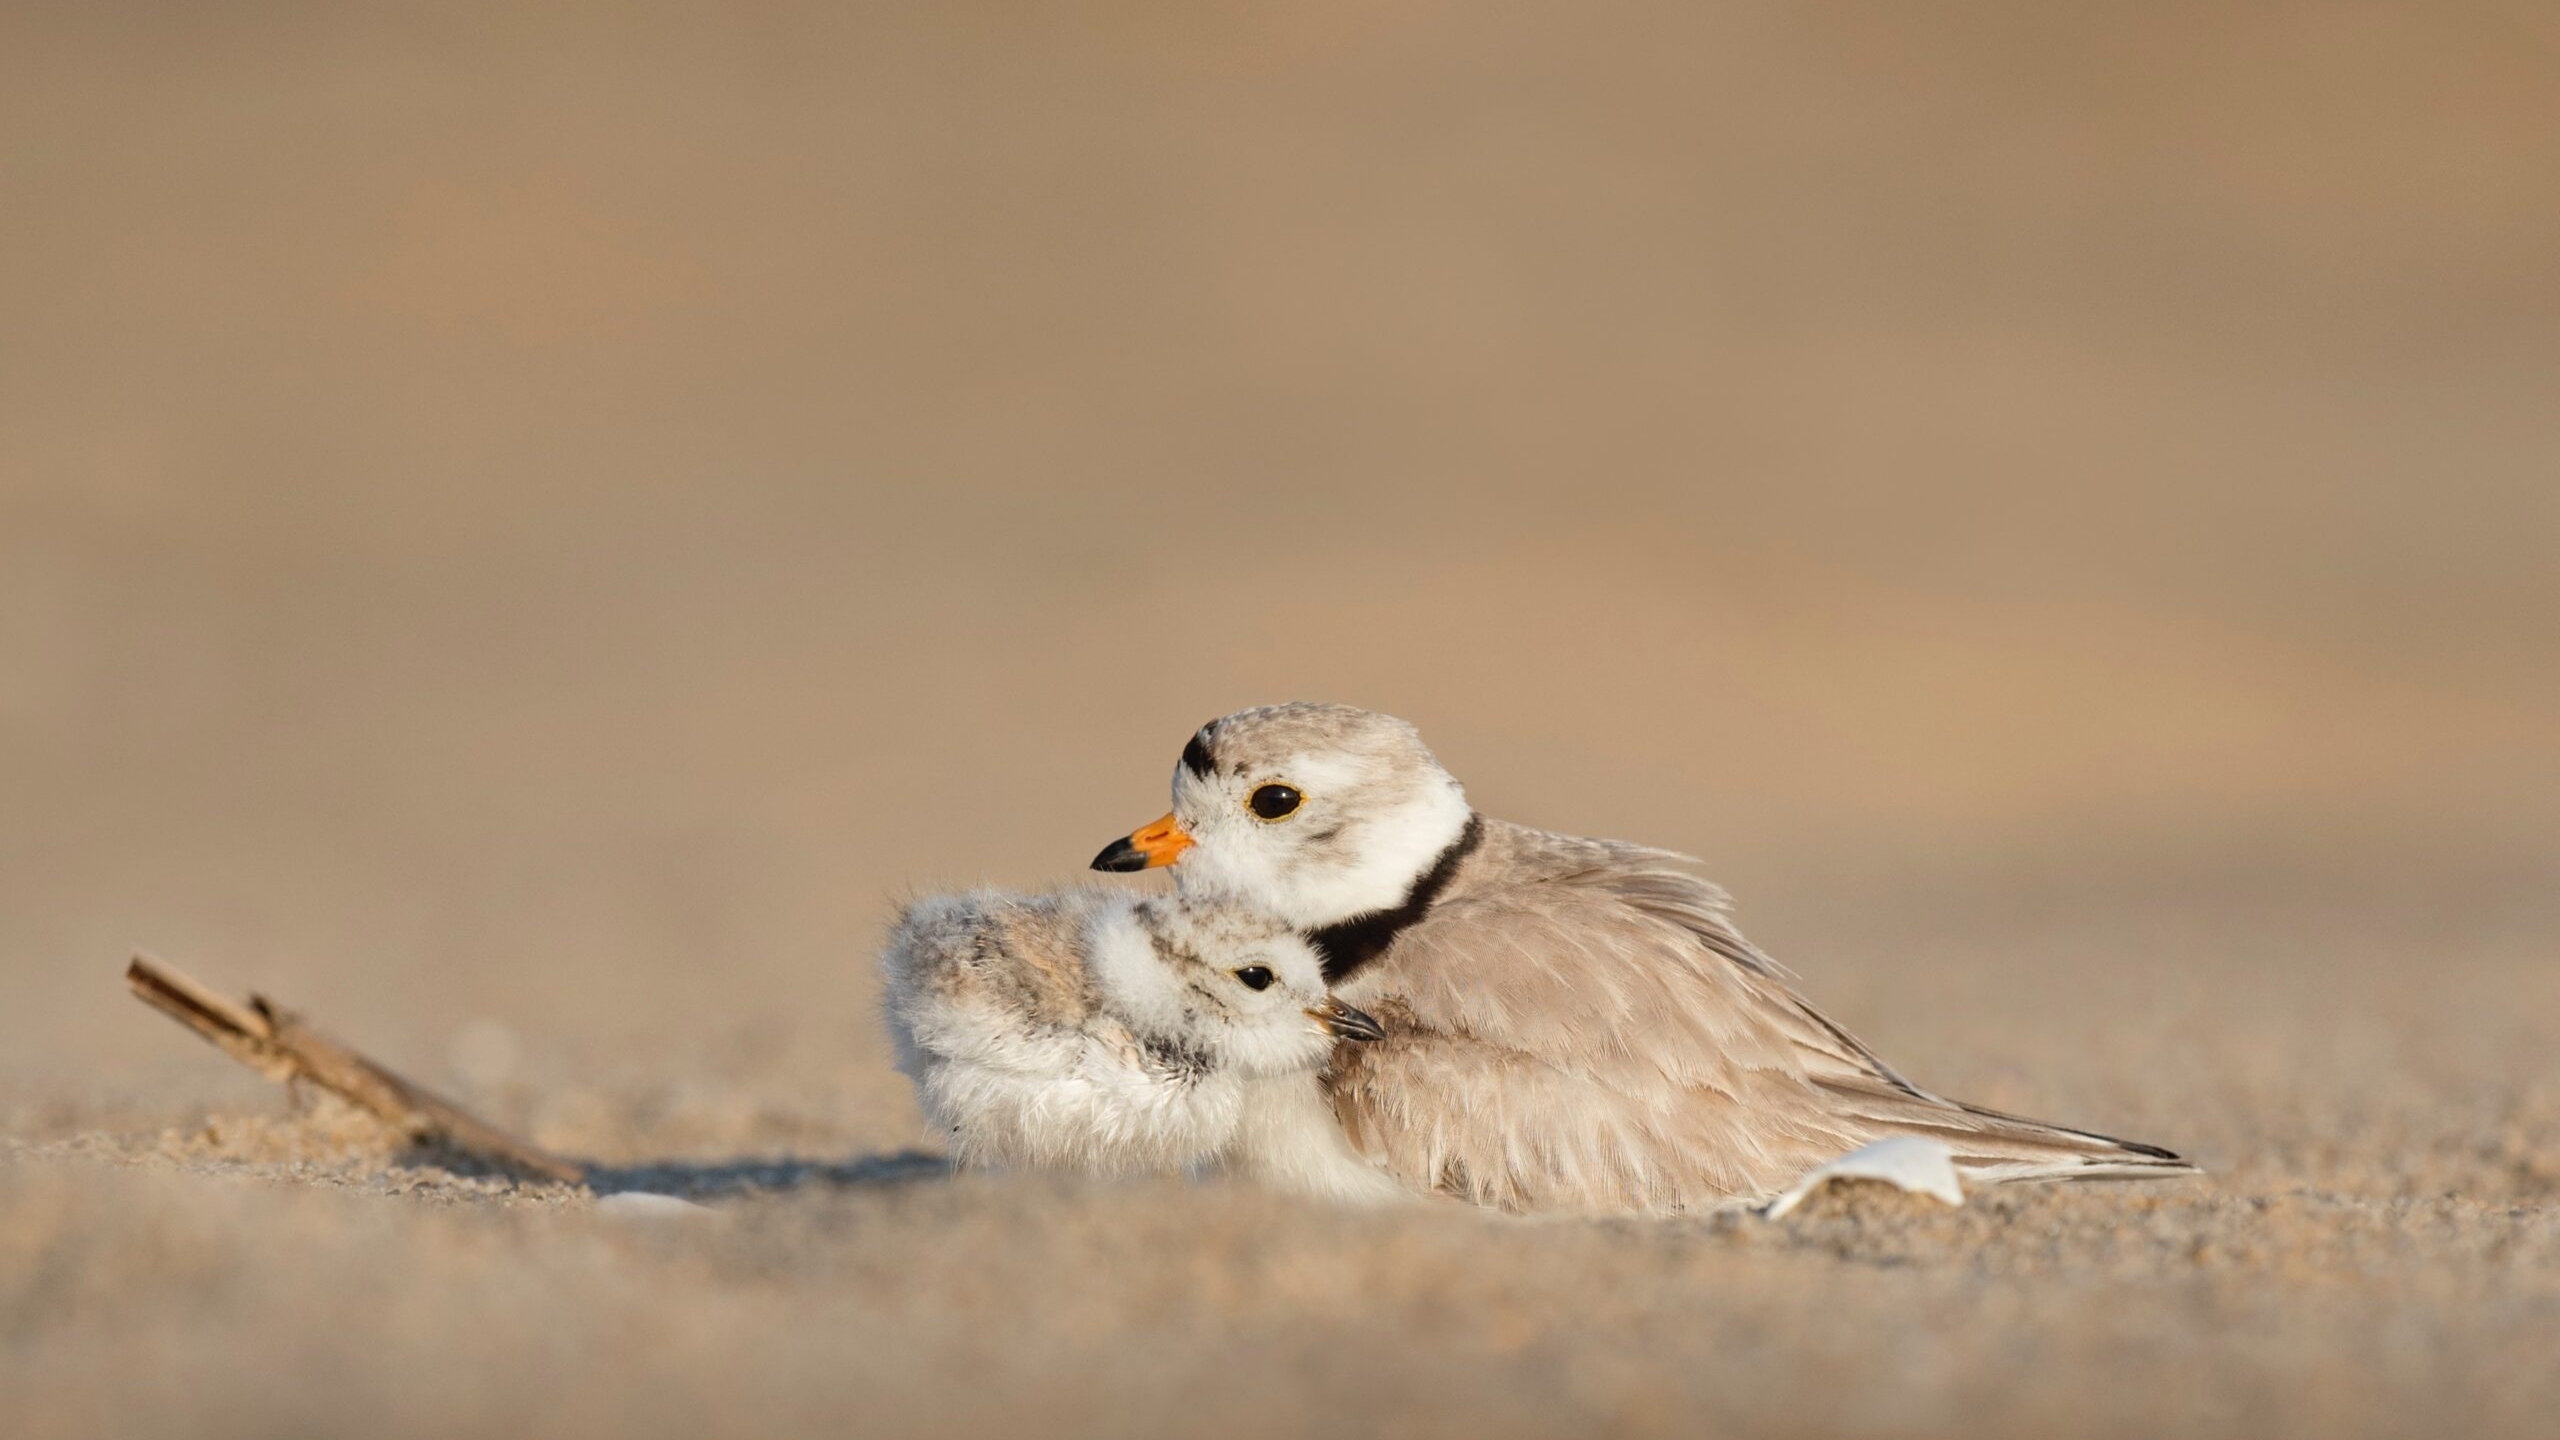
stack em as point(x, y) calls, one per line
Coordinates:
point(1600, 1038)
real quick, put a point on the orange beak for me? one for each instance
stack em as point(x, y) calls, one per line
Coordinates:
point(1159, 844)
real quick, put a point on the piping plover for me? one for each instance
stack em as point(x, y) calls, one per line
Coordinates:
point(1571, 1024)
point(1091, 1030)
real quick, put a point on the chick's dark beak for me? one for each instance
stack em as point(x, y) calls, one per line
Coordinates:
point(1345, 1022)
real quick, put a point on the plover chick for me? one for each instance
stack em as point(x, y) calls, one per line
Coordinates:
point(1572, 1025)
point(1090, 1030)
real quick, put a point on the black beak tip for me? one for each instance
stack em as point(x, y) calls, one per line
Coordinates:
point(1120, 856)
point(1352, 1024)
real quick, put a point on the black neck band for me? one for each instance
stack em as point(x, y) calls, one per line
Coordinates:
point(1350, 944)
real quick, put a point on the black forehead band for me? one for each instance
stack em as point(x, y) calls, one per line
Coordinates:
point(1195, 756)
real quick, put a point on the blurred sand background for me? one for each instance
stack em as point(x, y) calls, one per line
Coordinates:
point(526, 532)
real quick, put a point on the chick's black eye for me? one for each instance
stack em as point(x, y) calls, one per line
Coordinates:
point(1275, 802)
point(1255, 977)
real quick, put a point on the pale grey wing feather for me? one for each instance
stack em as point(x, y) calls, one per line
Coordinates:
point(1602, 1038)
point(1985, 1141)
point(1650, 882)
point(1551, 1048)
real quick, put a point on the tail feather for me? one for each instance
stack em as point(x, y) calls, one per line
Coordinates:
point(1993, 1148)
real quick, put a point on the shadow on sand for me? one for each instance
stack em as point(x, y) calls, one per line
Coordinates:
point(757, 1175)
point(711, 1179)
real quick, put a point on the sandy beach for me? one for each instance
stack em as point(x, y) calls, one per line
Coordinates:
point(528, 535)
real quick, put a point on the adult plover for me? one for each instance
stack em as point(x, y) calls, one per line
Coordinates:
point(1094, 1031)
point(1571, 1024)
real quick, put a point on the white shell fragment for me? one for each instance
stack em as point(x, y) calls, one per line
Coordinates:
point(647, 1205)
point(1906, 1162)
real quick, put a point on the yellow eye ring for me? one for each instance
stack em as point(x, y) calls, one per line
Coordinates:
point(1274, 802)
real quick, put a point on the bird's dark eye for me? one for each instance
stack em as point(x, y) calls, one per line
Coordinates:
point(1255, 977)
point(1275, 802)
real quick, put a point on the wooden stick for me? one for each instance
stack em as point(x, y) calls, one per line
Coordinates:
point(276, 1043)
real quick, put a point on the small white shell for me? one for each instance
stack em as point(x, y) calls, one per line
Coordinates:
point(1907, 1162)
point(647, 1205)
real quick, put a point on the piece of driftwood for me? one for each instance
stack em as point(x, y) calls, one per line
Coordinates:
point(277, 1044)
